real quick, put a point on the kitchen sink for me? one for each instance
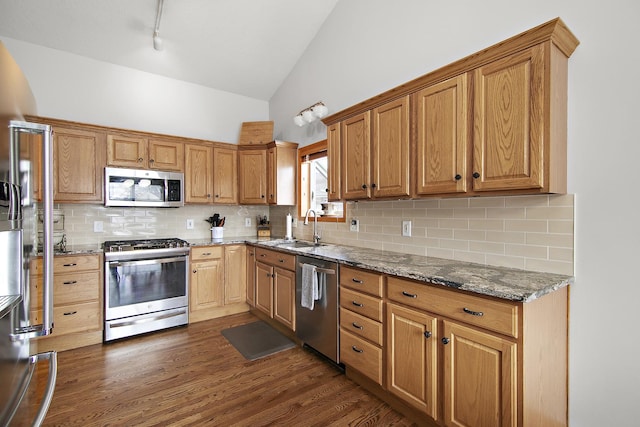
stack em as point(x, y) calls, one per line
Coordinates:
point(299, 244)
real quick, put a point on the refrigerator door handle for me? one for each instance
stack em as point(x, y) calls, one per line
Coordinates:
point(52, 357)
point(46, 327)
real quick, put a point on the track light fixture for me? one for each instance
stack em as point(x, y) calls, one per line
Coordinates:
point(309, 114)
point(157, 41)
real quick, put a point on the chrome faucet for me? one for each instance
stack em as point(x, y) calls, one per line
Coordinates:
point(316, 237)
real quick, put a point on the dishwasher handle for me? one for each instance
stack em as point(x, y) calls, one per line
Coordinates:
point(322, 270)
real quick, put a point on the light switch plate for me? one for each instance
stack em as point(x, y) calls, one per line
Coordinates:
point(189, 224)
point(97, 227)
point(406, 228)
point(247, 222)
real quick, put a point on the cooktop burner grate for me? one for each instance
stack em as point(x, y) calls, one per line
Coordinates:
point(146, 244)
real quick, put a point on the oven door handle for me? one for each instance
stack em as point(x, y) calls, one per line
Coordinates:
point(147, 261)
point(147, 319)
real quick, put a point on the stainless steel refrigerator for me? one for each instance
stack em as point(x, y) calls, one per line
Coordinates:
point(25, 148)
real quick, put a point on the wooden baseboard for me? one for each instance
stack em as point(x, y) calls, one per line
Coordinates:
point(215, 312)
point(65, 342)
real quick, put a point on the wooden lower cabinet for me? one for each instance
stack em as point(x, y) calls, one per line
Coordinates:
point(217, 282)
point(275, 286)
point(251, 276)
point(77, 296)
point(412, 358)
point(480, 377)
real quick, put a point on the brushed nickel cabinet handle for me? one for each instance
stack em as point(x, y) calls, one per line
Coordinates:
point(357, 304)
point(70, 282)
point(471, 312)
point(355, 325)
point(70, 313)
point(407, 294)
point(354, 280)
point(356, 349)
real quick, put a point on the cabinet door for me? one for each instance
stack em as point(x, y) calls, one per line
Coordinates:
point(480, 378)
point(356, 164)
point(272, 176)
point(333, 158)
point(251, 276)
point(264, 288)
point(198, 185)
point(284, 296)
point(508, 133)
point(390, 153)
point(225, 175)
point(78, 165)
point(412, 358)
point(206, 284)
point(441, 137)
point(166, 155)
point(126, 151)
point(253, 176)
point(235, 269)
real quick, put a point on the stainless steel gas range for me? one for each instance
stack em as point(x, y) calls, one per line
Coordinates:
point(146, 286)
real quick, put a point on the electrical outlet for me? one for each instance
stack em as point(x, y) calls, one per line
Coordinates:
point(247, 222)
point(406, 228)
point(189, 224)
point(355, 225)
point(295, 222)
point(97, 227)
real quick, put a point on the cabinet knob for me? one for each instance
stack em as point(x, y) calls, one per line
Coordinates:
point(208, 196)
point(373, 185)
point(262, 196)
point(217, 196)
point(445, 341)
point(476, 175)
point(140, 159)
point(326, 189)
point(458, 177)
point(195, 271)
point(364, 186)
point(151, 161)
point(427, 334)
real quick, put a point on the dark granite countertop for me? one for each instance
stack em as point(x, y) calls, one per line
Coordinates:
point(502, 282)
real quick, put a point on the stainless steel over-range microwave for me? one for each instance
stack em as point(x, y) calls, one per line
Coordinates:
point(144, 188)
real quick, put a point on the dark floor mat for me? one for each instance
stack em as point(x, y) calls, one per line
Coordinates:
point(256, 340)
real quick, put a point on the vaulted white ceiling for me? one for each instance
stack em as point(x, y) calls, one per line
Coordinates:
point(246, 47)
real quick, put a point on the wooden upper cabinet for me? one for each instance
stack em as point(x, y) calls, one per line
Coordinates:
point(140, 152)
point(441, 141)
point(225, 175)
point(166, 155)
point(334, 192)
point(356, 163)
point(252, 176)
point(281, 173)
point(390, 149)
point(126, 151)
point(78, 165)
point(198, 185)
point(509, 122)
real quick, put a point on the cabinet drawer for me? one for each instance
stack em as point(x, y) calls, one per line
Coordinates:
point(362, 304)
point(206, 252)
point(360, 280)
point(361, 355)
point(278, 259)
point(361, 326)
point(68, 264)
point(495, 315)
point(68, 288)
point(72, 318)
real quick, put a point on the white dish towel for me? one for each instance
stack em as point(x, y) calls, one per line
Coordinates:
point(309, 286)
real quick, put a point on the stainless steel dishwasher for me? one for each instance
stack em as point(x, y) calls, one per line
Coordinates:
point(319, 328)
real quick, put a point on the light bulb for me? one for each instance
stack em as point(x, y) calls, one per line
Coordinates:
point(308, 116)
point(299, 120)
point(320, 110)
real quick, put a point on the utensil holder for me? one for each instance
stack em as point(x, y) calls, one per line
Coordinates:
point(217, 233)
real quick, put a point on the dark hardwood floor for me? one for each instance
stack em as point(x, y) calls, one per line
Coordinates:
point(192, 376)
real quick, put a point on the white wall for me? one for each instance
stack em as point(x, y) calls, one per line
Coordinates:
point(81, 89)
point(369, 46)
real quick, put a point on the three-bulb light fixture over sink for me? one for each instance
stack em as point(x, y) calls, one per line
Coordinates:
point(309, 114)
